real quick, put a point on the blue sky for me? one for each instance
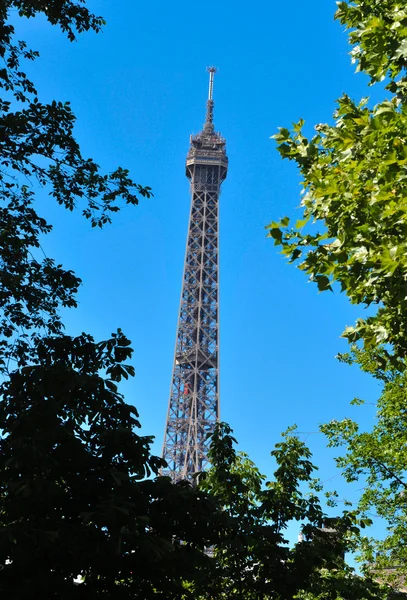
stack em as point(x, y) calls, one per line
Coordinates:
point(139, 90)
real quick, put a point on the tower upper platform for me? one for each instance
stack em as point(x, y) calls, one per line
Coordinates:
point(207, 147)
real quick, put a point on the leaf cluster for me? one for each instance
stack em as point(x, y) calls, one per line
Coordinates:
point(38, 149)
point(352, 236)
point(252, 558)
point(353, 226)
point(75, 493)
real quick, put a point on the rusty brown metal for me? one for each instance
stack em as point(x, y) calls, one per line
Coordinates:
point(193, 407)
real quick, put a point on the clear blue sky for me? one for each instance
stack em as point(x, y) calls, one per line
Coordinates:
point(138, 90)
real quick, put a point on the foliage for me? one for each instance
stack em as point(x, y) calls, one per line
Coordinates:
point(74, 493)
point(38, 148)
point(354, 181)
point(353, 232)
point(252, 557)
point(379, 458)
point(377, 31)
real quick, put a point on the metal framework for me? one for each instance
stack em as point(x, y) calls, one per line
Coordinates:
point(193, 407)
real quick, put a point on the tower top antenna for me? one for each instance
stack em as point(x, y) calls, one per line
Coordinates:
point(208, 127)
point(211, 71)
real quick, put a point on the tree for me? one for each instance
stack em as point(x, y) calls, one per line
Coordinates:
point(354, 184)
point(74, 493)
point(252, 556)
point(379, 457)
point(37, 146)
point(353, 232)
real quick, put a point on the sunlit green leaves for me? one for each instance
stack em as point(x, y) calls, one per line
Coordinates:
point(353, 232)
point(379, 458)
point(377, 31)
point(355, 187)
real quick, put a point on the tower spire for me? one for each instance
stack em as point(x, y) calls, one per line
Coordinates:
point(208, 127)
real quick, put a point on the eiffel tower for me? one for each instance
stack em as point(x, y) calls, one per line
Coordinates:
point(193, 407)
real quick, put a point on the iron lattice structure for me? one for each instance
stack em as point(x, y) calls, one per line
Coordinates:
point(193, 407)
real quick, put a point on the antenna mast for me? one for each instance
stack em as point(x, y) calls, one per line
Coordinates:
point(211, 71)
point(208, 127)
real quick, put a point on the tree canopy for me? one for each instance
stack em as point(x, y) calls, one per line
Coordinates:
point(351, 236)
point(253, 558)
point(75, 498)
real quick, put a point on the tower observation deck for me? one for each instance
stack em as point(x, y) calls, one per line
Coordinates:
point(193, 407)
